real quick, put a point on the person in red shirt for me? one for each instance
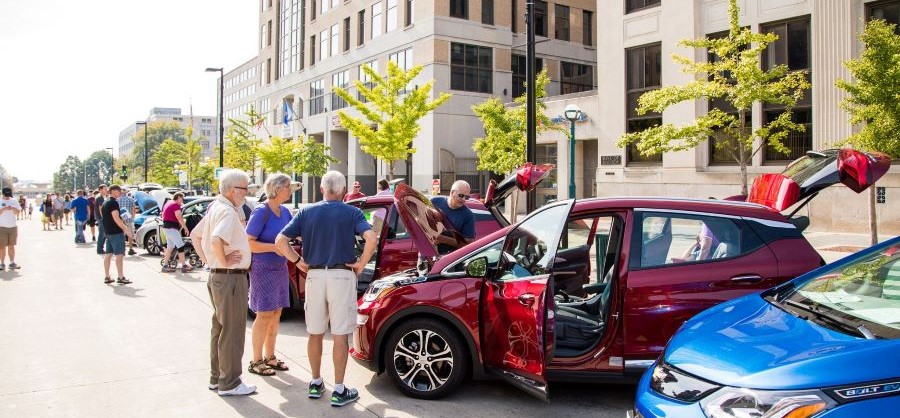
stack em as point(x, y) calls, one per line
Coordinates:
point(355, 194)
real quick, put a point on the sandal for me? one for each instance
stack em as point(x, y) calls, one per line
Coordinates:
point(122, 280)
point(108, 280)
point(259, 367)
point(279, 365)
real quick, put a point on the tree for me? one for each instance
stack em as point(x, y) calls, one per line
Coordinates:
point(157, 133)
point(6, 180)
point(70, 175)
point(392, 113)
point(312, 157)
point(164, 160)
point(277, 156)
point(502, 149)
point(736, 78)
point(240, 150)
point(874, 98)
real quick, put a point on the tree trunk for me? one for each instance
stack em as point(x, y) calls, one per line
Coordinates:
point(873, 221)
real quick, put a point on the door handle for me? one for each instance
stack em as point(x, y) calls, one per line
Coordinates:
point(526, 299)
point(747, 278)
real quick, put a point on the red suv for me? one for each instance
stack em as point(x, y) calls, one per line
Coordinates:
point(583, 290)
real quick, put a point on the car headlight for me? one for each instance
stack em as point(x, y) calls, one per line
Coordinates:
point(673, 383)
point(377, 289)
point(737, 402)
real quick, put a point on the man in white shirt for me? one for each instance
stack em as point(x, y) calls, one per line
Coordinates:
point(9, 232)
point(221, 241)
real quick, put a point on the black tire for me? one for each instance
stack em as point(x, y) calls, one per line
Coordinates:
point(418, 374)
point(151, 244)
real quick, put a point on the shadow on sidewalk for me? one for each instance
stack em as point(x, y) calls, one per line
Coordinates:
point(8, 275)
point(127, 291)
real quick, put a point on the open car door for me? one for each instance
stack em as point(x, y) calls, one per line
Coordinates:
point(517, 304)
point(526, 178)
point(808, 175)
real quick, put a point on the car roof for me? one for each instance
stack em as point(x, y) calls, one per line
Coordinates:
point(724, 207)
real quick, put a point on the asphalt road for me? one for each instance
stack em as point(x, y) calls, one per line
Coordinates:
point(73, 346)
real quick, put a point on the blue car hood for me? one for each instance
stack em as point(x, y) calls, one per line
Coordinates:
point(751, 343)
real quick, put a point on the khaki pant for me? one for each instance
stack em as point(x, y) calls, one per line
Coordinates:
point(228, 293)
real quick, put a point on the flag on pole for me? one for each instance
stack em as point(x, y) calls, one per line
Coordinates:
point(288, 112)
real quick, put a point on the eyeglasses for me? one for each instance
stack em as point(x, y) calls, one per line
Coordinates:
point(463, 196)
point(242, 188)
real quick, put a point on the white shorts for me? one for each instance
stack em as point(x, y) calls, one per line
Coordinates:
point(330, 299)
point(173, 238)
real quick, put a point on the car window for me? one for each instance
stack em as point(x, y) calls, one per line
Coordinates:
point(396, 227)
point(375, 216)
point(667, 239)
point(587, 253)
point(529, 248)
point(491, 253)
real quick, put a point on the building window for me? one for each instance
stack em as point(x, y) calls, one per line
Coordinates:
point(335, 39)
point(471, 68)
point(291, 37)
point(520, 73)
point(459, 8)
point(263, 34)
point(328, 4)
point(515, 16)
point(346, 34)
point(487, 12)
point(365, 79)
point(313, 13)
point(561, 28)
point(312, 50)
point(317, 97)
point(635, 5)
point(269, 34)
point(403, 59)
point(324, 36)
point(409, 12)
point(391, 15)
point(339, 80)
point(588, 31)
point(889, 11)
point(792, 49)
point(540, 18)
point(643, 69)
point(575, 78)
point(361, 32)
point(376, 20)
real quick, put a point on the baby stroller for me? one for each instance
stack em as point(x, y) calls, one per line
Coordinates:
point(190, 254)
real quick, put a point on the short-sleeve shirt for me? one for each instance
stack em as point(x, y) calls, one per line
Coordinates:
point(222, 221)
point(80, 206)
point(168, 215)
point(91, 208)
point(8, 217)
point(110, 227)
point(264, 226)
point(462, 219)
point(126, 204)
point(98, 204)
point(328, 229)
point(58, 204)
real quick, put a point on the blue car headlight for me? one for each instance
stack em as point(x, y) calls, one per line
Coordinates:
point(738, 402)
point(673, 383)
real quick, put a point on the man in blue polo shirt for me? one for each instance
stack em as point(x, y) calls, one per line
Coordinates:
point(328, 231)
point(80, 206)
point(458, 214)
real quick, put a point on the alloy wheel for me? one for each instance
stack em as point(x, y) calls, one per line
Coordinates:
point(423, 360)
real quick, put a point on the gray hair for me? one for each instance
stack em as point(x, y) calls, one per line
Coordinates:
point(459, 183)
point(274, 182)
point(230, 178)
point(333, 182)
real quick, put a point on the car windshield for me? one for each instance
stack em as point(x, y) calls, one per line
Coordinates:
point(864, 293)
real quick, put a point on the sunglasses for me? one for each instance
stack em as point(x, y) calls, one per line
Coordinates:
point(463, 196)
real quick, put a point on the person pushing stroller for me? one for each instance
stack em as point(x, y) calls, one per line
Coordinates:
point(173, 224)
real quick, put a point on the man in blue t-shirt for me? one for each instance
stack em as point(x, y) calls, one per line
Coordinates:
point(328, 231)
point(458, 214)
point(80, 206)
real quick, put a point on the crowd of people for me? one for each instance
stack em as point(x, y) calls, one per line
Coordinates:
point(247, 256)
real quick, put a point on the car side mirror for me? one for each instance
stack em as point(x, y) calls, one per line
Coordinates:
point(477, 267)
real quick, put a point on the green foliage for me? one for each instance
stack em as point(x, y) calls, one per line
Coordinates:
point(70, 175)
point(312, 157)
point(162, 163)
point(502, 149)
point(157, 133)
point(391, 118)
point(241, 143)
point(5, 178)
point(736, 78)
point(874, 95)
point(277, 155)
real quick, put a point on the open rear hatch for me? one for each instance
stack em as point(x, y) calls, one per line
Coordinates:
point(526, 179)
point(806, 176)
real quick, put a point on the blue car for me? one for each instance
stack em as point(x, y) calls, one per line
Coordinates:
point(826, 344)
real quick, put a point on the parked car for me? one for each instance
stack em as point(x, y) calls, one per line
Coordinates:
point(143, 216)
point(397, 250)
point(824, 344)
point(580, 290)
point(147, 237)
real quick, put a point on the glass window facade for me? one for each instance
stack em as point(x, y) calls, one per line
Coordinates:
point(471, 68)
point(643, 69)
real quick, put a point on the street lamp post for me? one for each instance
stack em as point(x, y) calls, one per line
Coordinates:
point(146, 128)
point(572, 114)
point(221, 124)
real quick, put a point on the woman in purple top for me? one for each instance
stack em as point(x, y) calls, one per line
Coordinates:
point(269, 287)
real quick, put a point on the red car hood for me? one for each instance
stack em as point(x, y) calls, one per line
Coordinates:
point(808, 175)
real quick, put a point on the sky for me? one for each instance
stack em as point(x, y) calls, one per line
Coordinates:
point(76, 73)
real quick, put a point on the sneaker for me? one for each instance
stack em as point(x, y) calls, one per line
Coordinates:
point(2, 266)
point(131, 251)
point(186, 268)
point(14, 266)
point(315, 391)
point(213, 386)
point(239, 390)
point(167, 269)
point(341, 399)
